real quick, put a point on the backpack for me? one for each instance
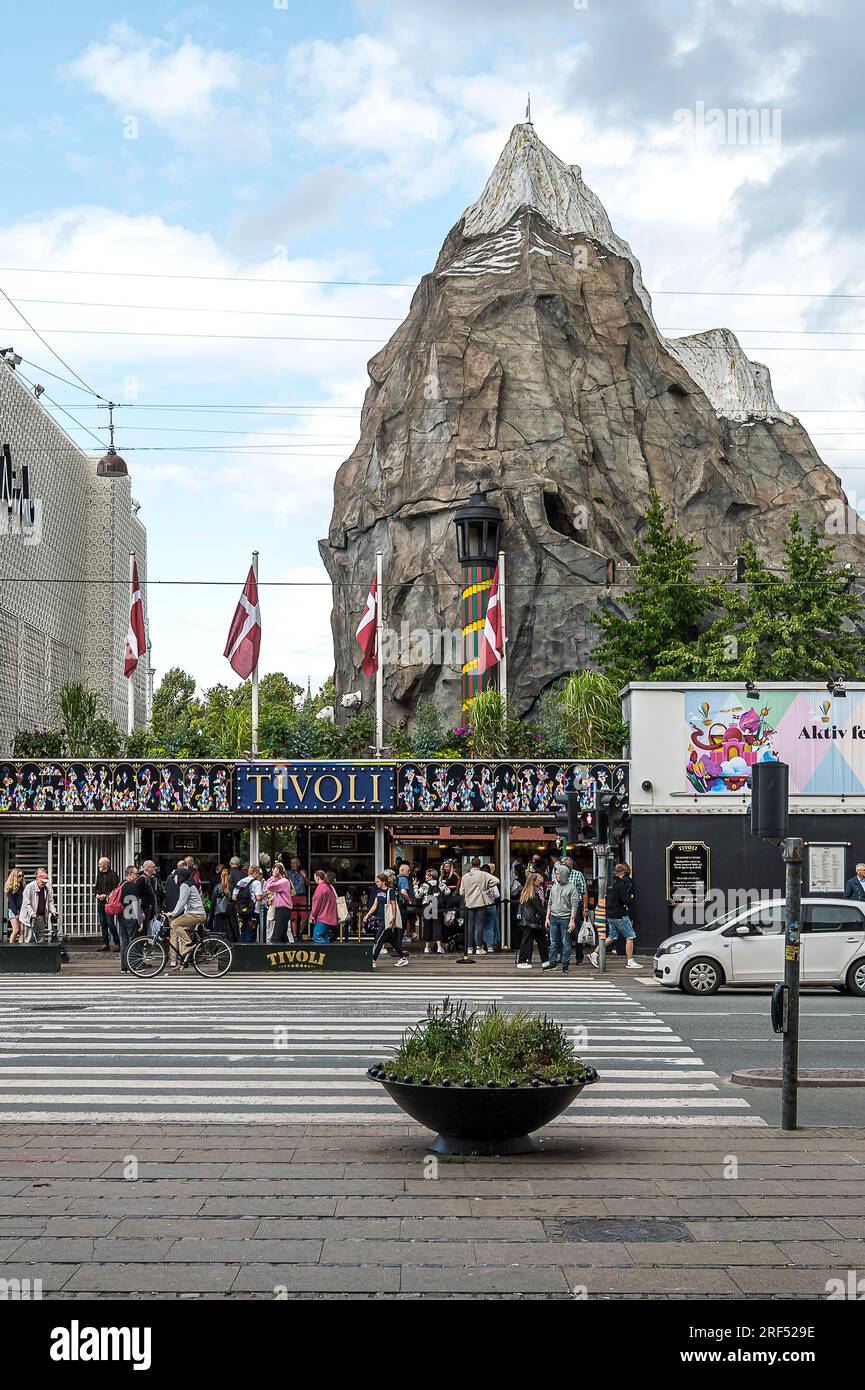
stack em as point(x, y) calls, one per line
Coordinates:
point(243, 896)
point(114, 905)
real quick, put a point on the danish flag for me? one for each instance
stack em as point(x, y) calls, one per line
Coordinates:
point(367, 631)
point(136, 638)
point(244, 635)
point(492, 643)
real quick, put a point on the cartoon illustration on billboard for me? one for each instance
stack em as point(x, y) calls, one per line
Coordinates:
point(725, 742)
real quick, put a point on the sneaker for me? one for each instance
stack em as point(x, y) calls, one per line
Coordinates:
point(440, 951)
point(565, 969)
point(632, 965)
point(547, 965)
point(383, 951)
point(470, 951)
point(427, 951)
point(593, 957)
point(403, 961)
point(524, 965)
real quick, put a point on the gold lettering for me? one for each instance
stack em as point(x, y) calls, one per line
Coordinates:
point(271, 956)
point(352, 790)
point(328, 777)
point(280, 789)
point(302, 955)
point(292, 777)
point(376, 777)
point(258, 777)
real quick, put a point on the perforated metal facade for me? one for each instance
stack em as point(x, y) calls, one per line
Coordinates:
point(64, 586)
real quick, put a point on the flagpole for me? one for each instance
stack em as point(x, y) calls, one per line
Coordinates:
point(255, 673)
point(379, 670)
point(503, 664)
point(130, 693)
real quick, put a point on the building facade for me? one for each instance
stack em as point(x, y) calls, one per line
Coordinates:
point(692, 748)
point(65, 539)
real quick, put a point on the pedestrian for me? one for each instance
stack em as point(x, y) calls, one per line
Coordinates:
point(219, 919)
point(299, 897)
point(280, 888)
point(518, 880)
point(620, 911)
point(323, 913)
point(38, 909)
point(492, 933)
point(14, 890)
point(430, 896)
point(192, 867)
point(187, 915)
point(563, 904)
point(579, 882)
point(247, 896)
point(407, 899)
point(531, 914)
point(476, 892)
point(171, 891)
point(106, 882)
point(140, 905)
point(855, 887)
point(385, 914)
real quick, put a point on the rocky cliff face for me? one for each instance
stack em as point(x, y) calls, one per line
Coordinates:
point(530, 363)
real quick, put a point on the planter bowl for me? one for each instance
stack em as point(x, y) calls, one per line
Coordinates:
point(481, 1119)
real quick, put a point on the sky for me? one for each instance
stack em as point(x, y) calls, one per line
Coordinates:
point(216, 214)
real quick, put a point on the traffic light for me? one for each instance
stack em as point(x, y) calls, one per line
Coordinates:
point(568, 817)
point(611, 817)
point(589, 827)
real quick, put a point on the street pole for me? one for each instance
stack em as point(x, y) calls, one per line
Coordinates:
point(503, 664)
point(255, 672)
point(793, 850)
point(601, 858)
point(379, 670)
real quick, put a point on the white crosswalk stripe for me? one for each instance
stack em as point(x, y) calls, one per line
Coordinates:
point(254, 1051)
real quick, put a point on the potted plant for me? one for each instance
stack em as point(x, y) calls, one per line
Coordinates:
point(483, 1081)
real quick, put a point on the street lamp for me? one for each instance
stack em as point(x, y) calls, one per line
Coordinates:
point(111, 465)
point(479, 525)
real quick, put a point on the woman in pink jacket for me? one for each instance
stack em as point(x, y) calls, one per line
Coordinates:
point(279, 889)
point(322, 911)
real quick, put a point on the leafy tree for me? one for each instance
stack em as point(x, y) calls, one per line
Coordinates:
point(177, 719)
point(790, 626)
point(588, 713)
point(38, 743)
point(106, 740)
point(428, 735)
point(667, 604)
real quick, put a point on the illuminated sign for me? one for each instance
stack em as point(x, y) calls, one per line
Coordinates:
point(316, 788)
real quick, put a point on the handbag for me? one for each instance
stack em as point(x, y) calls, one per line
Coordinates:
point(342, 913)
point(586, 935)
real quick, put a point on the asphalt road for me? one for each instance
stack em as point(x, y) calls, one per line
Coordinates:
point(731, 1030)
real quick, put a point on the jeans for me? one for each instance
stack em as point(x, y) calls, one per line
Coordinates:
point(492, 936)
point(530, 937)
point(476, 918)
point(108, 926)
point(560, 941)
point(127, 931)
point(248, 926)
point(620, 926)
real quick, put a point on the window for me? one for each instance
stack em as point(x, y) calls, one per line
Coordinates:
point(766, 920)
point(828, 917)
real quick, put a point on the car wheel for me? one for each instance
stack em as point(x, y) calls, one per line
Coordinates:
point(702, 976)
point(856, 978)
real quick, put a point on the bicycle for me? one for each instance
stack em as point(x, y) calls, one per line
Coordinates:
point(147, 955)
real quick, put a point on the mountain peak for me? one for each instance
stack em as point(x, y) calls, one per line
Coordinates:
point(528, 174)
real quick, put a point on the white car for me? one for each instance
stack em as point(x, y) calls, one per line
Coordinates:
point(747, 948)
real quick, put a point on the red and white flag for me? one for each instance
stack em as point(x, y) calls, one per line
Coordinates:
point(367, 632)
point(136, 638)
point(244, 635)
point(492, 643)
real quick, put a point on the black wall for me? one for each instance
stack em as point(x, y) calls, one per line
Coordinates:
point(738, 859)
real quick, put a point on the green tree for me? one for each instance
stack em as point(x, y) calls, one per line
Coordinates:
point(177, 719)
point(587, 709)
point(80, 708)
point(667, 603)
point(796, 625)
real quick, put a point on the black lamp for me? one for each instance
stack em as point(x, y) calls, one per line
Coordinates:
point(479, 527)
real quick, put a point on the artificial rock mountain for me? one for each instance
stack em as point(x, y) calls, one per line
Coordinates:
point(530, 363)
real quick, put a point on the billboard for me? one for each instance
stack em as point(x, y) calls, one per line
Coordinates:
point(820, 737)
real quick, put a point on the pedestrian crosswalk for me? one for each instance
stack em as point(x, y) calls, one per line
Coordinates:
point(255, 1052)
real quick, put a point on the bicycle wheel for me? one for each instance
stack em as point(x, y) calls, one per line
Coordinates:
point(212, 957)
point(145, 958)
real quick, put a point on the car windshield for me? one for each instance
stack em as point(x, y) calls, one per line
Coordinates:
point(737, 912)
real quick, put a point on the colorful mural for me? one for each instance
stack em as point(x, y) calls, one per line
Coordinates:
point(469, 788)
point(82, 788)
point(821, 737)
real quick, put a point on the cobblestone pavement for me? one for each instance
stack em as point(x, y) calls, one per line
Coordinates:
point(221, 1211)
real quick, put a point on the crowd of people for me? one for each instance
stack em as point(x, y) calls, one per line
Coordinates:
point(437, 908)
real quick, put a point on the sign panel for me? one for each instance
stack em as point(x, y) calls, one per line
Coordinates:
point(826, 868)
point(822, 738)
point(127, 788)
point(467, 788)
point(316, 788)
point(272, 958)
point(688, 871)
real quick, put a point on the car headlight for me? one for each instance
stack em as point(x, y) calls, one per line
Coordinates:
point(674, 948)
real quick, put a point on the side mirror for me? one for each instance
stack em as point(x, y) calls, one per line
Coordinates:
point(743, 931)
